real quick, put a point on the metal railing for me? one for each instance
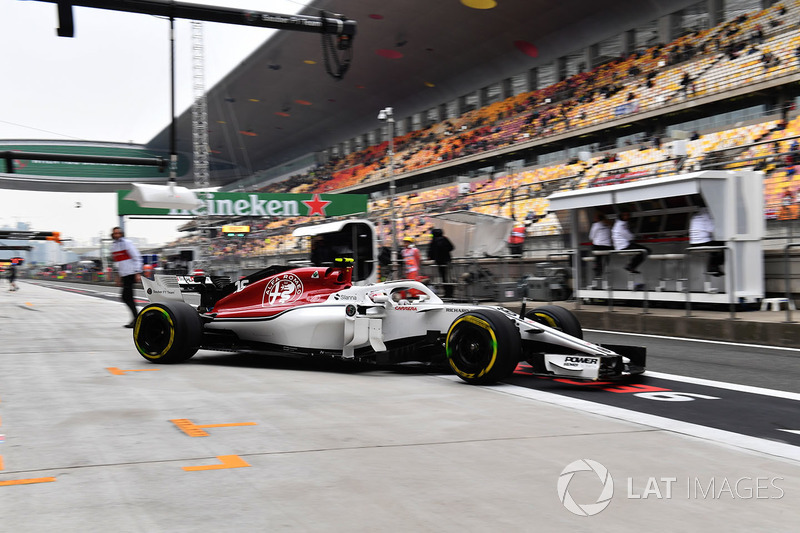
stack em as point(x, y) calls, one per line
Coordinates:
point(731, 279)
point(611, 254)
point(786, 272)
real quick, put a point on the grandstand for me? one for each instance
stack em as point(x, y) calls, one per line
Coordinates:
point(709, 84)
point(619, 121)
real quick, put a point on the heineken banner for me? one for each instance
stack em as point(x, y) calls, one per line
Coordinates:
point(248, 204)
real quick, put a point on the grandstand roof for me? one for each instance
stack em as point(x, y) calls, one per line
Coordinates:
point(412, 55)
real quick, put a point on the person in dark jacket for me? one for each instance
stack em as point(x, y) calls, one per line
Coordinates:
point(439, 252)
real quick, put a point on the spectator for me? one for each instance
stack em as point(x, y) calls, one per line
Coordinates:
point(657, 142)
point(517, 239)
point(701, 233)
point(385, 262)
point(12, 276)
point(321, 252)
point(623, 239)
point(770, 60)
point(787, 205)
point(411, 259)
point(600, 235)
point(687, 84)
point(439, 252)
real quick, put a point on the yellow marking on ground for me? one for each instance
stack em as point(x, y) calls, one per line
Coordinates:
point(1, 462)
point(27, 481)
point(228, 461)
point(196, 430)
point(118, 372)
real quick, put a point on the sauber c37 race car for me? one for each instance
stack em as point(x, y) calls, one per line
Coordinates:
point(317, 312)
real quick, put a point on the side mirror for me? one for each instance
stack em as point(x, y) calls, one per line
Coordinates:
point(379, 298)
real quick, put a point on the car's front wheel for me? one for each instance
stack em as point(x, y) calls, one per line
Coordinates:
point(483, 346)
point(167, 332)
point(557, 318)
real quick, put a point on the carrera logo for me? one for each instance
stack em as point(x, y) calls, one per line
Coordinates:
point(405, 308)
point(582, 360)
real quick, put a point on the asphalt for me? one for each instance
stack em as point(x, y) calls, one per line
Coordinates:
point(95, 438)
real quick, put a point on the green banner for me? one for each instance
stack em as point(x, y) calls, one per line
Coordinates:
point(243, 204)
point(90, 170)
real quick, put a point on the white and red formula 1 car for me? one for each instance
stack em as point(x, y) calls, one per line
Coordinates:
point(317, 312)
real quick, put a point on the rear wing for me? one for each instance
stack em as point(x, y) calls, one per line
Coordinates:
point(207, 289)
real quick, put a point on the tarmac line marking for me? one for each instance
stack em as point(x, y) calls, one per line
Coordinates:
point(228, 461)
point(196, 430)
point(117, 372)
point(719, 436)
point(795, 431)
point(728, 386)
point(27, 481)
point(1, 462)
point(706, 341)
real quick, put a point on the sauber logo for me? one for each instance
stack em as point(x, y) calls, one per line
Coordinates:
point(157, 291)
point(282, 289)
point(583, 360)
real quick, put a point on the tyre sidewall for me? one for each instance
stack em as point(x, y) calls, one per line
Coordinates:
point(505, 340)
point(557, 318)
point(184, 328)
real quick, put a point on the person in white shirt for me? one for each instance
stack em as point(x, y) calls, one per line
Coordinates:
point(623, 239)
point(701, 233)
point(129, 267)
point(600, 235)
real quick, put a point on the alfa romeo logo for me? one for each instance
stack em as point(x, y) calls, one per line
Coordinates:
point(282, 289)
point(587, 509)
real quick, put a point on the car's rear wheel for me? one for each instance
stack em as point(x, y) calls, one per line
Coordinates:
point(483, 346)
point(557, 318)
point(168, 332)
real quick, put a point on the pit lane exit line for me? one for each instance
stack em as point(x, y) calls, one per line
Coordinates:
point(719, 436)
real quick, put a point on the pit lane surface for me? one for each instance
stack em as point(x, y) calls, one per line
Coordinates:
point(743, 389)
point(742, 407)
point(97, 439)
point(106, 292)
point(751, 378)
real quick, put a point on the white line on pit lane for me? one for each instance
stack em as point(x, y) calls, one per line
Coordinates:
point(707, 341)
point(719, 436)
point(723, 385)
